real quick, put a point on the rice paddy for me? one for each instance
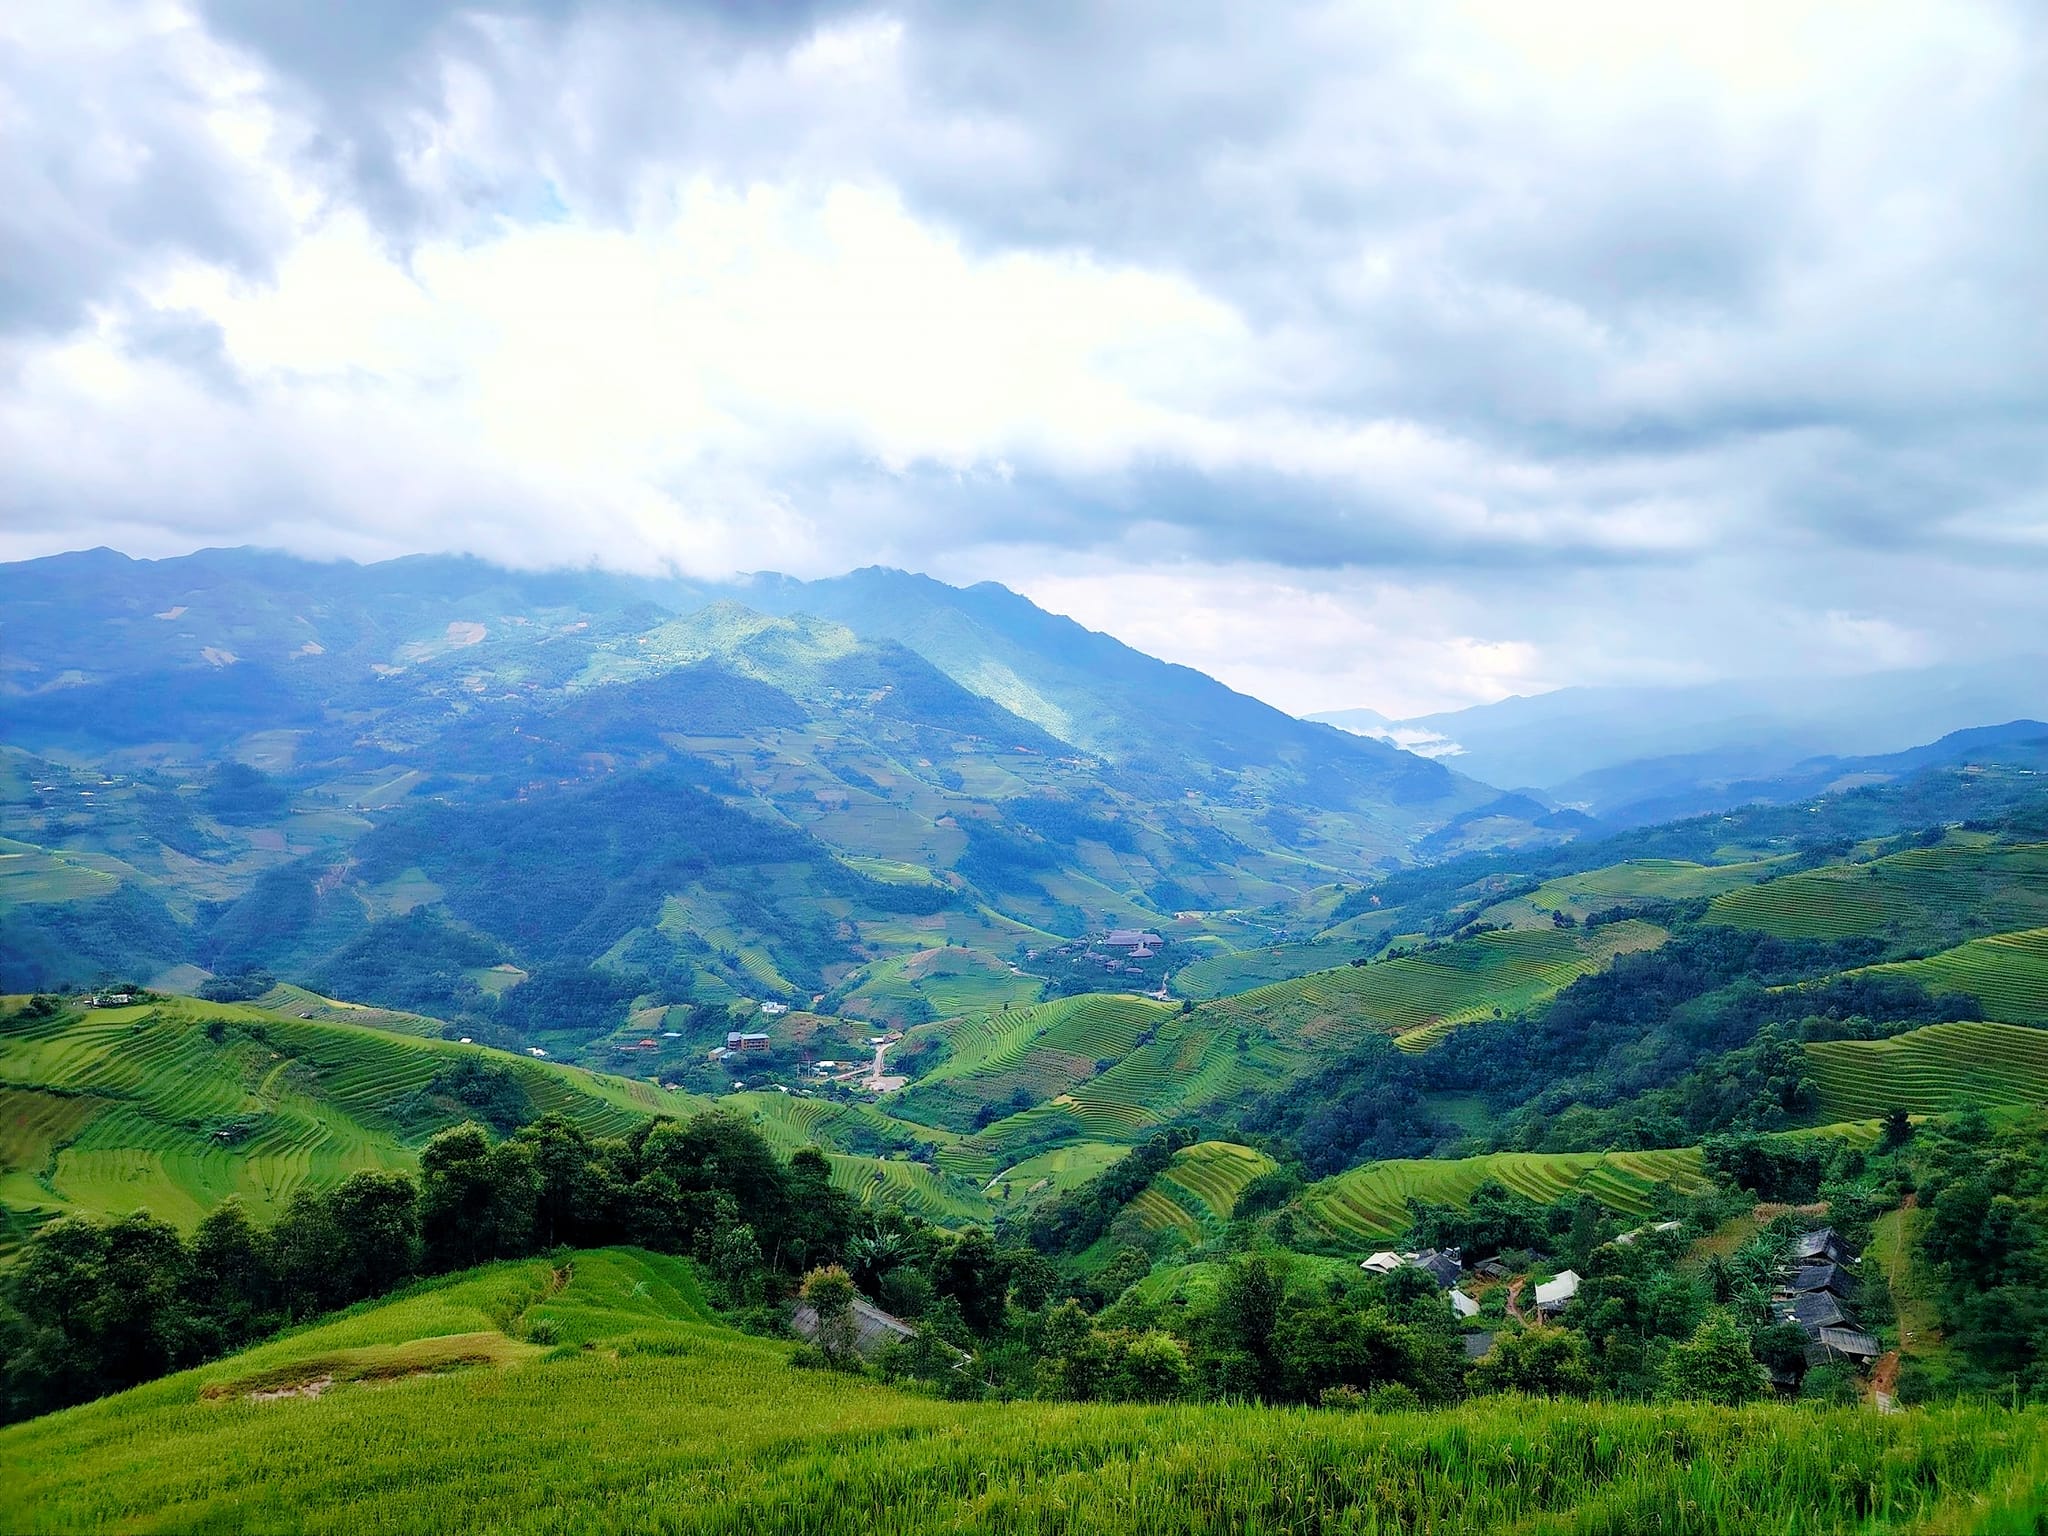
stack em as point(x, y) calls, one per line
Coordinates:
point(1370, 1204)
point(436, 1412)
point(1996, 886)
point(1419, 998)
point(174, 1106)
point(1198, 1190)
point(2007, 973)
point(1931, 1071)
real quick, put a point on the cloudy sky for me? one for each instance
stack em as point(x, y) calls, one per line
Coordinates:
point(1389, 355)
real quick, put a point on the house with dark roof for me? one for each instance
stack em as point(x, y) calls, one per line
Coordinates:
point(1443, 1265)
point(1850, 1344)
point(1824, 1246)
point(1813, 1311)
point(1832, 1278)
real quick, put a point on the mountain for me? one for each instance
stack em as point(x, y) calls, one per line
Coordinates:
point(1602, 749)
point(417, 778)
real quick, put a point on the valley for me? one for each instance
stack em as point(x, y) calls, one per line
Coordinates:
point(1128, 1051)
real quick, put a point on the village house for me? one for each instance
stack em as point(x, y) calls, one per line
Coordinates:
point(1443, 1265)
point(751, 1040)
point(1824, 1246)
point(1553, 1296)
point(1132, 938)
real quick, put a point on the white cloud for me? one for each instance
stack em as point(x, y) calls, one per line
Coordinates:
point(1359, 355)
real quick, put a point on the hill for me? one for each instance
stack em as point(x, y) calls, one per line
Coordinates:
point(1370, 1204)
point(235, 763)
point(1931, 1070)
point(173, 1105)
point(525, 1396)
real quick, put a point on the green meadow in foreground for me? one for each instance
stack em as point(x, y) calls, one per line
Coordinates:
point(597, 1394)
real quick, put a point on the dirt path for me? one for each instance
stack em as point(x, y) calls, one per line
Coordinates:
point(876, 1081)
point(1514, 1296)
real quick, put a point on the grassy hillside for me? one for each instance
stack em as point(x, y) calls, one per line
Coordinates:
point(1037, 1052)
point(1970, 881)
point(1370, 1204)
point(174, 1106)
point(442, 1411)
point(1931, 1071)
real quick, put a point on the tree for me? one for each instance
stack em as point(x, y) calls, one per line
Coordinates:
point(829, 1294)
point(1153, 1368)
point(375, 1219)
point(734, 1259)
point(1246, 1316)
point(230, 1283)
point(1898, 1130)
point(1543, 1362)
point(1715, 1365)
point(477, 1202)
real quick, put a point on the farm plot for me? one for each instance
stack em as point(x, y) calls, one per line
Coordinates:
point(2007, 973)
point(1198, 1190)
point(942, 982)
point(1028, 1055)
point(1931, 1071)
point(2000, 886)
point(1370, 1204)
point(913, 1187)
point(1419, 998)
point(185, 1103)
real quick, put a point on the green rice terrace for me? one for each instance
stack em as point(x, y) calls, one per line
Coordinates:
point(1199, 1188)
point(1370, 1204)
point(598, 1393)
point(1930, 1071)
point(2007, 973)
point(175, 1105)
point(1418, 998)
point(1989, 886)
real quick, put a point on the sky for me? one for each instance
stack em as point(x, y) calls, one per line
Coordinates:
point(1369, 355)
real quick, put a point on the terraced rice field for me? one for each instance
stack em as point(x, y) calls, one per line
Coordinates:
point(32, 874)
point(950, 981)
point(1370, 1204)
point(1198, 1190)
point(913, 1187)
point(145, 1107)
point(1419, 998)
point(1055, 1172)
point(1040, 1051)
point(2004, 886)
point(1931, 1071)
point(1644, 880)
point(2007, 973)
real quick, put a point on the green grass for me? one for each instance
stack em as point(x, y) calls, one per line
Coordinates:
point(1992, 886)
point(2007, 973)
point(1930, 1071)
point(1370, 1204)
point(442, 1417)
point(115, 1110)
